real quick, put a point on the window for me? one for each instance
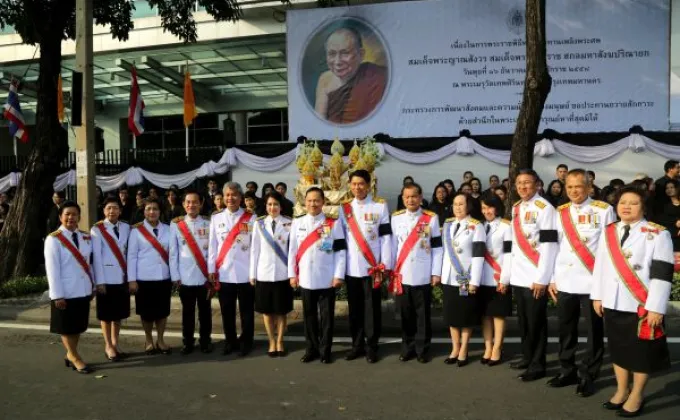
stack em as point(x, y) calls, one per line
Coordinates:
point(268, 126)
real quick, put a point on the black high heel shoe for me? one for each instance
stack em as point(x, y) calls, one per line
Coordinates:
point(484, 361)
point(85, 370)
point(114, 359)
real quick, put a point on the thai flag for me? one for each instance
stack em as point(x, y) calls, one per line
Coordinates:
point(17, 126)
point(136, 110)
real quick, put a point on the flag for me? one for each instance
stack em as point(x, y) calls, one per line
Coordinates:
point(136, 109)
point(189, 102)
point(17, 126)
point(60, 101)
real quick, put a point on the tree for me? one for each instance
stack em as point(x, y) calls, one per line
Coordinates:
point(537, 84)
point(45, 23)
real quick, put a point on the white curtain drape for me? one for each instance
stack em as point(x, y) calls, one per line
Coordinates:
point(463, 146)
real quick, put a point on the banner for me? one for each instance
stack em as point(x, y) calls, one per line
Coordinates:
point(432, 68)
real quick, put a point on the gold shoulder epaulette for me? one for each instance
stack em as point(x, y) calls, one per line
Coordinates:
point(55, 233)
point(517, 203)
point(564, 206)
point(474, 221)
point(83, 232)
point(600, 204)
point(136, 225)
point(330, 216)
point(177, 219)
point(261, 218)
point(656, 226)
point(398, 212)
point(540, 204)
point(379, 200)
point(99, 222)
point(300, 215)
point(506, 221)
point(429, 212)
point(347, 200)
point(450, 220)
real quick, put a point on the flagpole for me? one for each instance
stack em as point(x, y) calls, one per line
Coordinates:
point(16, 155)
point(134, 145)
point(186, 143)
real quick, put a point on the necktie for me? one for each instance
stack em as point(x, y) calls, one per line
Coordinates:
point(488, 228)
point(155, 232)
point(116, 232)
point(74, 235)
point(273, 226)
point(456, 229)
point(626, 233)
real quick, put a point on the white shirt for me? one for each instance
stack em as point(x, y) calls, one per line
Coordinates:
point(537, 224)
point(317, 266)
point(589, 218)
point(65, 276)
point(498, 244)
point(183, 265)
point(468, 240)
point(373, 219)
point(144, 262)
point(265, 264)
point(425, 259)
point(107, 269)
point(649, 251)
point(236, 264)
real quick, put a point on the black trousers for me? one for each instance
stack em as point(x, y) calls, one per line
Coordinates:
point(365, 314)
point(416, 326)
point(245, 294)
point(569, 308)
point(318, 308)
point(533, 327)
point(192, 296)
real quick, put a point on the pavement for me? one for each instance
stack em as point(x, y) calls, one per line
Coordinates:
point(36, 385)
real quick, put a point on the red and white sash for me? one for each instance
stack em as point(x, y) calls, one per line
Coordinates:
point(229, 240)
point(531, 253)
point(193, 247)
point(115, 249)
point(361, 242)
point(570, 232)
point(310, 240)
point(76, 254)
point(395, 285)
point(154, 243)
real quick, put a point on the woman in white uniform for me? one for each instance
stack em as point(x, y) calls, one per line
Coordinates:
point(495, 297)
point(631, 287)
point(269, 272)
point(464, 245)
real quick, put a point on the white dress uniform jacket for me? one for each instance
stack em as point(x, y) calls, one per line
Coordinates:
point(649, 250)
point(373, 219)
point(589, 219)
point(265, 264)
point(425, 259)
point(107, 269)
point(144, 262)
point(317, 266)
point(498, 244)
point(468, 239)
point(65, 276)
point(183, 265)
point(537, 219)
point(236, 264)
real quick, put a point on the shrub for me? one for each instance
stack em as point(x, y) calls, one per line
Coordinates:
point(675, 288)
point(23, 286)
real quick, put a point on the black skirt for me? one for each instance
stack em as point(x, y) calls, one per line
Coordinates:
point(273, 297)
point(460, 311)
point(152, 299)
point(114, 305)
point(493, 303)
point(629, 351)
point(72, 320)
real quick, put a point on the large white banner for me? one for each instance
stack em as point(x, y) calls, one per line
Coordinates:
point(434, 67)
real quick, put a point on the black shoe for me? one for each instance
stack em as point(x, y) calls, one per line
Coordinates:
point(207, 348)
point(560, 381)
point(484, 361)
point(167, 351)
point(326, 359)
point(309, 357)
point(585, 388)
point(282, 353)
point(371, 356)
point(405, 357)
point(612, 406)
point(227, 349)
point(423, 358)
point(115, 358)
point(622, 412)
point(532, 376)
point(245, 350)
point(186, 350)
point(273, 354)
point(462, 363)
point(520, 365)
point(150, 351)
point(85, 370)
point(450, 360)
point(355, 354)
point(493, 363)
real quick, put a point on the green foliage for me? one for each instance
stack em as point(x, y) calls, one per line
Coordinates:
point(23, 286)
point(675, 288)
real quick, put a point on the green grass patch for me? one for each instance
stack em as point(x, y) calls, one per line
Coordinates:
point(23, 286)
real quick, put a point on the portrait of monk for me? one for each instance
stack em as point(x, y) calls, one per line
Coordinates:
point(350, 89)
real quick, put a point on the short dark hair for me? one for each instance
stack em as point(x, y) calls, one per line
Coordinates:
point(502, 188)
point(469, 201)
point(617, 181)
point(61, 194)
point(476, 179)
point(407, 177)
point(112, 200)
point(68, 204)
point(632, 189)
point(249, 194)
point(415, 186)
point(253, 183)
point(267, 185)
point(468, 172)
point(315, 189)
point(675, 183)
point(670, 164)
point(282, 184)
point(361, 173)
point(190, 191)
point(123, 187)
point(562, 165)
point(275, 195)
point(460, 187)
point(591, 174)
point(151, 200)
point(530, 172)
point(494, 176)
point(492, 200)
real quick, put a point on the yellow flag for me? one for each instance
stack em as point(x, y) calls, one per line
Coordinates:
point(60, 101)
point(189, 101)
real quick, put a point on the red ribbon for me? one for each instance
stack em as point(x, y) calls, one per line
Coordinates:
point(380, 268)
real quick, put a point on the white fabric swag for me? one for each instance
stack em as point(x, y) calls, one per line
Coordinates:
point(463, 146)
